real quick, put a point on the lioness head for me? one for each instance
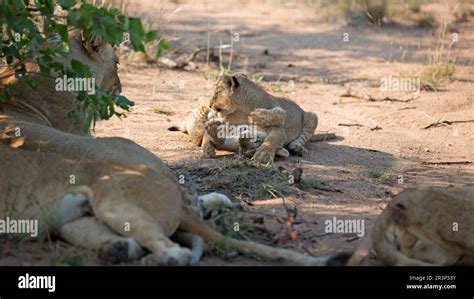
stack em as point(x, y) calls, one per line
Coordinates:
point(100, 57)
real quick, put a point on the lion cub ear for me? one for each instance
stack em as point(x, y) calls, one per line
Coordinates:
point(93, 44)
point(230, 82)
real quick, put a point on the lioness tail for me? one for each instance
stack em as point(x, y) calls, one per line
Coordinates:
point(192, 224)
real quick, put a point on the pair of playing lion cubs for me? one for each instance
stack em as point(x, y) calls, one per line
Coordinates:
point(276, 124)
point(129, 204)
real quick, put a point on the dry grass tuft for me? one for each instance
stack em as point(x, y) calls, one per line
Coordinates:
point(355, 11)
point(426, 20)
point(162, 111)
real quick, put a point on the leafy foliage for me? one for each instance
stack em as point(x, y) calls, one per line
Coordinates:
point(30, 26)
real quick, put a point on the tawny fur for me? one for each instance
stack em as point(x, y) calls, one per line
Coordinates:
point(427, 226)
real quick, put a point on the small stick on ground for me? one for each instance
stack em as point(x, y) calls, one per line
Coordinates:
point(350, 125)
point(446, 123)
point(366, 97)
point(185, 60)
point(326, 188)
point(447, 163)
point(376, 128)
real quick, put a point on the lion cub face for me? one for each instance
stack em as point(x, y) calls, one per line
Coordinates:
point(222, 102)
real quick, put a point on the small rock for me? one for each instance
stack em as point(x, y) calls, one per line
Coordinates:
point(230, 255)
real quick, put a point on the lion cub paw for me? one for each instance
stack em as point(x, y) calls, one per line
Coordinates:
point(208, 150)
point(203, 106)
point(263, 155)
point(282, 153)
point(259, 117)
point(267, 117)
point(212, 128)
point(297, 149)
point(247, 148)
point(214, 140)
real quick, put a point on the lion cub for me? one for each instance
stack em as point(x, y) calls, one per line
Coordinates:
point(427, 226)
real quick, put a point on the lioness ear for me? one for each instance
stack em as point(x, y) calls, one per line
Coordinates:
point(93, 43)
point(230, 82)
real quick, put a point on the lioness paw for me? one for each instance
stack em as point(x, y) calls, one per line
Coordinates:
point(71, 207)
point(215, 200)
point(121, 250)
point(174, 256)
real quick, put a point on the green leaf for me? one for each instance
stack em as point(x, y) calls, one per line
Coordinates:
point(62, 30)
point(150, 36)
point(34, 44)
point(66, 4)
point(162, 47)
point(123, 102)
point(135, 27)
point(80, 69)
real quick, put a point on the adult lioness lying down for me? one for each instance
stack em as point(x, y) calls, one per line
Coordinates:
point(281, 124)
point(427, 226)
point(128, 201)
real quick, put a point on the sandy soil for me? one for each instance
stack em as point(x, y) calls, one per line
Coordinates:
point(284, 43)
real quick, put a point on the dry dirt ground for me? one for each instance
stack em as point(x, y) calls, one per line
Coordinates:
point(352, 177)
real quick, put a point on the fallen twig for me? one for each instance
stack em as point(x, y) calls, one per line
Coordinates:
point(366, 97)
point(407, 108)
point(376, 128)
point(325, 188)
point(447, 122)
point(447, 163)
point(350, 125)
point(185, 60)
